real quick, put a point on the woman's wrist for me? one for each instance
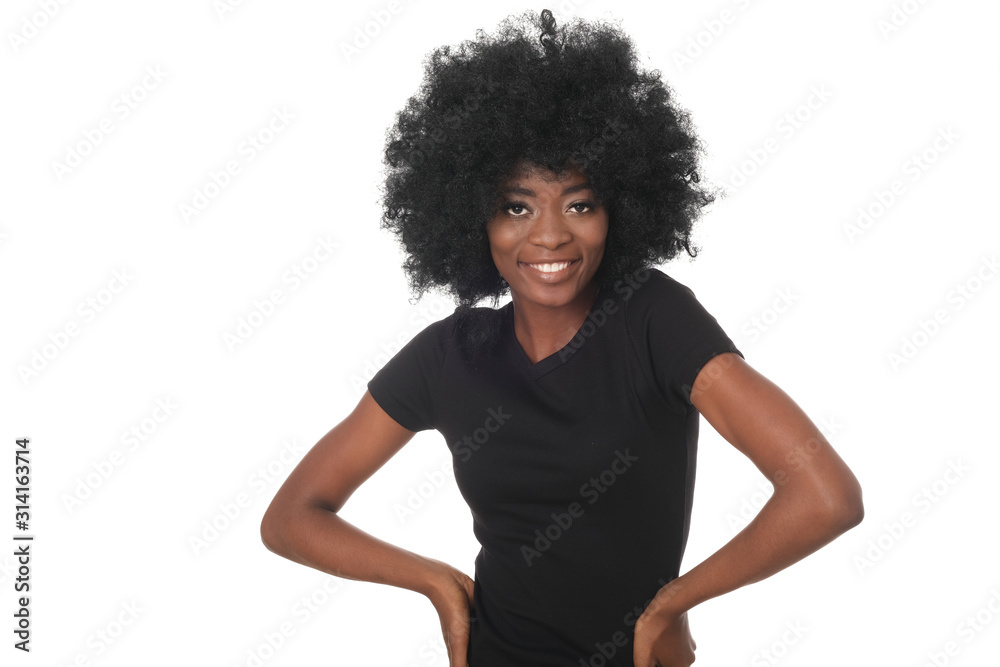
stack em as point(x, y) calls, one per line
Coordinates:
point(437, 580)
point(672, 599)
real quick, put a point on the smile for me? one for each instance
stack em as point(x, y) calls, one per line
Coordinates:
point(550, 272)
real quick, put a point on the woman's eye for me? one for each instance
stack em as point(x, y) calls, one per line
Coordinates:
point(519, 210)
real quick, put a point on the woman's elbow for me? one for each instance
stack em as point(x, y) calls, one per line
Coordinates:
point(271, 531)
point(851, 514)
point(844, 506)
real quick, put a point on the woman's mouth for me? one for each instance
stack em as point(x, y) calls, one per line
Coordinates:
point(550, 271)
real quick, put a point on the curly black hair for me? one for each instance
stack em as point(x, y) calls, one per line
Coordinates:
point(572, 97)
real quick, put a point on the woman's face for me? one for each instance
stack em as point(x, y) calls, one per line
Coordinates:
point(544, 219)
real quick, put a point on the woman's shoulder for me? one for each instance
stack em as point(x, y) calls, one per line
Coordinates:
point(655, 300)
point(649, 287)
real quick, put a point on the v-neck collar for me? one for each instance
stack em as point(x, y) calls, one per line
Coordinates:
point(559, 357)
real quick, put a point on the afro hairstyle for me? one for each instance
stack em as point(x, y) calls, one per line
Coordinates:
point(572, 97)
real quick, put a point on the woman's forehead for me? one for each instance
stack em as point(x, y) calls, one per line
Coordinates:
point(525, 169)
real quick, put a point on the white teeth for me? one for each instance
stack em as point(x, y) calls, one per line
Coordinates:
point(550, 268)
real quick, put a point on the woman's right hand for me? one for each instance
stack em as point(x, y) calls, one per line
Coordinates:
point(452, 598)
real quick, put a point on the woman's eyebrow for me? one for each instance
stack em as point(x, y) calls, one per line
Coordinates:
point(517, 190)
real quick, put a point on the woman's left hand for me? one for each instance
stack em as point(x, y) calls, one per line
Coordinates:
point(663, 638)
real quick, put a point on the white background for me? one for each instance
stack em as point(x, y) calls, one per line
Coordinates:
point(783, 229)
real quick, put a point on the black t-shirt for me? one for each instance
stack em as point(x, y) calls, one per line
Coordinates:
point(579, 469)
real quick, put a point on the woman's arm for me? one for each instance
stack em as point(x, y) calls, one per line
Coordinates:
point(816, 496)
point(302, 524)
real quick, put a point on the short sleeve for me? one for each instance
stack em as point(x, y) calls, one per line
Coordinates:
point(673, 335)
point(406, 386)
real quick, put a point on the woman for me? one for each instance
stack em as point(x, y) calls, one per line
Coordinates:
point(558, 170)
